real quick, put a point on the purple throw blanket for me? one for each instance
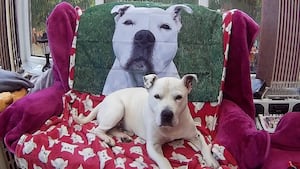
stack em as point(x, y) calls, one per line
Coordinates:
point(236, 126)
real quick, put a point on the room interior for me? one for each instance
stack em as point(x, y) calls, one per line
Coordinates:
point(267, 122)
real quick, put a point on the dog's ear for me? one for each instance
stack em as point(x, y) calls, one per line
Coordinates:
point(188, 81)
point(175, 10)
point(119, 10)
point(149, 80)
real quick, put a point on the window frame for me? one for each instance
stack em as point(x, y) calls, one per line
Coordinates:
point(30, 63)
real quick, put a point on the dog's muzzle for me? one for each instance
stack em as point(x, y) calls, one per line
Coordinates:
point(166, 118)
point(141, 55)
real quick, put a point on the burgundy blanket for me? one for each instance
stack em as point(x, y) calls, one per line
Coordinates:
point(236, 126)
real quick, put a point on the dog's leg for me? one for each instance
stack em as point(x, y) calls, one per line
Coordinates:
point(108, 117)
point(103, 136)
point(198, 143)
point(156, 153)
point(122, 135)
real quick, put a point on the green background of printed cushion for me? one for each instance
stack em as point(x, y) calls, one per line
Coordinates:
point(200, 49)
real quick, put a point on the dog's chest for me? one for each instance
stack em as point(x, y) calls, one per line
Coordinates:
point(164, 135)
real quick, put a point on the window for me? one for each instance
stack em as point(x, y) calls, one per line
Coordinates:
point(39, 13)
point(31, 21)
point(253, 9)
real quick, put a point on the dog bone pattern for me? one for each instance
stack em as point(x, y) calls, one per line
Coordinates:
point(51, 143)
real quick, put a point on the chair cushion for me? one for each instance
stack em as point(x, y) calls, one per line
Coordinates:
point(62, 142)
point(200, 49)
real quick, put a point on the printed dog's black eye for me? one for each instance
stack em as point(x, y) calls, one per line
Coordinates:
point(178, 97)
point(157, 96)
point(128, 22)
point(165, 26)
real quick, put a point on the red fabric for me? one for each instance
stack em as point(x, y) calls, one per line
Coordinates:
point(61, 141)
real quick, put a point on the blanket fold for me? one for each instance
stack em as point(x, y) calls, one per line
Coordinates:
point(236, 128)
point(237, 87)
point(12, 81)
point(18, 119)
point(284, 136)
point(238, 133)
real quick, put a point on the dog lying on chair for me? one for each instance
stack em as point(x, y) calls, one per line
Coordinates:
point(157, 113)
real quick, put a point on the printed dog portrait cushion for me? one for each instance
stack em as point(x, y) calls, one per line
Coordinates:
point(200, 49)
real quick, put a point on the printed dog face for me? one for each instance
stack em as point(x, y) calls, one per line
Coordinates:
point(145, 39)
point(168, 97)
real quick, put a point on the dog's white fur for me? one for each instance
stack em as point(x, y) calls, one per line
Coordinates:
point(157, 113)
point(155, 51)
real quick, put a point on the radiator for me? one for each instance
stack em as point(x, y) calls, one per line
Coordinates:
point(286, 72)
point(279, 50)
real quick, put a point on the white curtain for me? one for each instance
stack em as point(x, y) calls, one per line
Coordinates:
point(9, 53)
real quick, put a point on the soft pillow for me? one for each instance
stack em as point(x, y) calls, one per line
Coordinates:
point(199, 51)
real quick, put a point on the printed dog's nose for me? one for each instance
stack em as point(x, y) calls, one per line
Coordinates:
point(144, 38)
point(166, 117)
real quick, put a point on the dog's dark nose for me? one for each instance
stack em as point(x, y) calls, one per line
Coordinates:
point(144, 39)
point(166, 117)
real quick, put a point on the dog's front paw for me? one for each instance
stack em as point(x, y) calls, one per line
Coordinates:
point(110, 141)
point(104, 137)
point(212, 162)
point(121, 135)
point(107, 139)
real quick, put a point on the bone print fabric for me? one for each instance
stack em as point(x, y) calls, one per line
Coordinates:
point(62, 143)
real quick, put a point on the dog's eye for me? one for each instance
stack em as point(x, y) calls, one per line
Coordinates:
point(128, 22)
point(178, 97)
point(157, 96)
point(165, 26)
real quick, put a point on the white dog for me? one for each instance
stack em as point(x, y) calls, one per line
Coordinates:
point(144, 42)
point(157, 113)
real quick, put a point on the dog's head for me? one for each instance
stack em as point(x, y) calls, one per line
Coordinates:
point(145, 39)
point(168, 97)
